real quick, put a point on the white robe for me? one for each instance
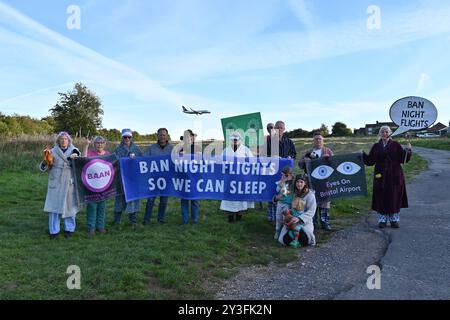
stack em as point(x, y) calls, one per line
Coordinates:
point(236, 206)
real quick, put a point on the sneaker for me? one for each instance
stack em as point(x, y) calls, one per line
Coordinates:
point(294, 244)
point(382, 225)
point(395, 225)
point(326, 227)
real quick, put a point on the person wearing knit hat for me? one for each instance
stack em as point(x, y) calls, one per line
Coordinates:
point(127, 148)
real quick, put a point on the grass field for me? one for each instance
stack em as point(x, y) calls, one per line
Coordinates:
point(434, 143)
point(168, 261)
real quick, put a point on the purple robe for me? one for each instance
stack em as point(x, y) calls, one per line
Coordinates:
point(389, 189)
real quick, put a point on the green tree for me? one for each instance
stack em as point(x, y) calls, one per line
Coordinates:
point(110, 135)
point(78, 112)
point(298, 133)
point(340, 129)
point(323, 130)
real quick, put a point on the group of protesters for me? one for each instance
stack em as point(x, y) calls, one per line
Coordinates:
point(293, 211)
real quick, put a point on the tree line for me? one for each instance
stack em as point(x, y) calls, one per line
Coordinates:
point(79, 112)
point(339, 129)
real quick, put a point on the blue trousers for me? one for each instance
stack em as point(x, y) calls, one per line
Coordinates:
point(185, 211)
point(161, 209)
point(54, 227)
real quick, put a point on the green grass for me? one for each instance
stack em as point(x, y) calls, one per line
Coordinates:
point(168, 261)
point(433, 143)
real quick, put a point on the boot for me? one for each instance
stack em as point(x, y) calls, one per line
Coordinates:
point(117, 218)
point(325, 219)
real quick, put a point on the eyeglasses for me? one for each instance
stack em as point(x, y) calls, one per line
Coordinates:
point(126, 137)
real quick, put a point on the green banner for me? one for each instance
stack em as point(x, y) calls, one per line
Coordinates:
point(249, 126)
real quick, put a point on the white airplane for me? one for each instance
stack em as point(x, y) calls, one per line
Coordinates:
point(196, 112)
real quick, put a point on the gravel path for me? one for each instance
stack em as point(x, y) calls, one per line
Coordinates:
point(411, 269)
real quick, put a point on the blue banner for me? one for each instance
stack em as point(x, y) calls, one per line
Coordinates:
point(235, 179)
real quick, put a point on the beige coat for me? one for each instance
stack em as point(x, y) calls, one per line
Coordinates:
point(61, 193)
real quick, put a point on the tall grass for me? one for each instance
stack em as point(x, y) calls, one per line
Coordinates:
point(442, 143)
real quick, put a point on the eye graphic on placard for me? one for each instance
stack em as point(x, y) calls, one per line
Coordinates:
point(322, 172)
point(348, 168)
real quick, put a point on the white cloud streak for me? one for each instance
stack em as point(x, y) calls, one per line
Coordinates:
point(72, 58)
point(271, 50)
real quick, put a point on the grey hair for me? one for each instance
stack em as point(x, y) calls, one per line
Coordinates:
point(99, 139)
point(63, 134)
point(385, 128)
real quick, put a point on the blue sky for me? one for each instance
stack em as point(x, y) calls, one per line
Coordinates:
point(304, 62)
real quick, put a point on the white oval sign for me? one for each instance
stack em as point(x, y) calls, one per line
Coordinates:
point(413, 113)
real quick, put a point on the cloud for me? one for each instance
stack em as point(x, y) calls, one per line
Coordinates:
point(276, 49)
point(302, 11)
point(423, 80)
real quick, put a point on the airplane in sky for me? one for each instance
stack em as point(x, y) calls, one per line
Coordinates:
point(196, 112)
